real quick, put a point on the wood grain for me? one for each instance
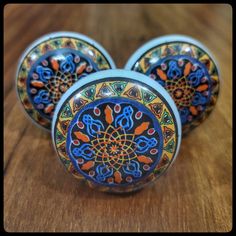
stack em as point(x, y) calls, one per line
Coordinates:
point(195, 195)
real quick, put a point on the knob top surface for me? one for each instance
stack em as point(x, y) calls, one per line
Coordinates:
point(186, 69)
point(50, 65)
point(117, 129)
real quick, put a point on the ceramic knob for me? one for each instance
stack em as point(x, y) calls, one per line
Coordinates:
point(50, 65)
point(186, 69)
point(118, 130)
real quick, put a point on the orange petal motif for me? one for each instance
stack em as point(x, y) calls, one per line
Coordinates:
point(37, 84)
point(88, 165)
point(193, 110)
point(187, 69)
point(81, 68)
point(141, 128)
point(202, 87)
point(144, 159)
point(55, 65)
point(109, 116)
point(161, 74)
point(49, 108)
point(118, 177)
point(82, 136)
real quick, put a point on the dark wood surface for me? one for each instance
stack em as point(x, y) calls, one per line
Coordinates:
point(195, 195)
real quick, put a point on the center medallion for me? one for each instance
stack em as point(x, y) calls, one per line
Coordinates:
point(110, 143)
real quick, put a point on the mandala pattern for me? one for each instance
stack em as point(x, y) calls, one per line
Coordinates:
point(52, 75)
point(111, 144)
point(187, 81)
point(113, 139)
point(188, 74)
point(49, 69)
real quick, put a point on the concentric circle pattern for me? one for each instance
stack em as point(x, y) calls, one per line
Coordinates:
point(186, 71)
point(117, 133)
point(49, 67)
point(115, 140)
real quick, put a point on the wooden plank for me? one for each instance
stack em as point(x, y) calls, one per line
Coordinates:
point(194, 195)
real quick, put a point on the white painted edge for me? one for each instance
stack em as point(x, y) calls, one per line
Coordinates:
point(51, 36)
point(166, 39)
point(126, 74)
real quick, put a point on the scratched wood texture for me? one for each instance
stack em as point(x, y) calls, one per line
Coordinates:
point(195, 195)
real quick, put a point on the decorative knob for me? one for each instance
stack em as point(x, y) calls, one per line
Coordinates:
point(50, 65)
point(119, 130)
point(186, 69)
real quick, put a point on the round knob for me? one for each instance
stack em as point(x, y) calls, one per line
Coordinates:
point(50, 65)
point(119, 130)
point(186, 69)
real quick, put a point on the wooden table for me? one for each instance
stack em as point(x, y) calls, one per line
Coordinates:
point(195, 195)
